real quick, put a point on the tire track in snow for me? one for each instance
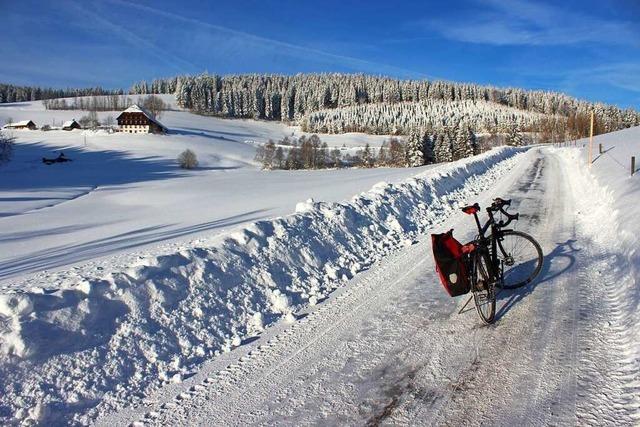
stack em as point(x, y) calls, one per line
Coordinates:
point(519, 343)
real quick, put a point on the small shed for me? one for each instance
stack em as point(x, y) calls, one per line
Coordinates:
point(71, 125)
point(24, 124)
point(136, 119)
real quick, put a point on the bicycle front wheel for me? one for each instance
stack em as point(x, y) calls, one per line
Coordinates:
point(520, 258)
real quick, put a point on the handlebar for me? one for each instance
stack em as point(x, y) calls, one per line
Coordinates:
point(498, 205)
point(509, 218)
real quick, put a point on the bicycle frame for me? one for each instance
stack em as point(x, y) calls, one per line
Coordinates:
point(497, 228)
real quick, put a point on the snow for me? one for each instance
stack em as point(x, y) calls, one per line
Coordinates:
point(68, 123)
point(230, 295)
point(92, 339)
point(125, 192)
point(16, 124)
point(389, 347)
point(608, 209)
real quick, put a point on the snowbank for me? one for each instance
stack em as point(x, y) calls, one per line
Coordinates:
point(609, 208)
point(84, 345)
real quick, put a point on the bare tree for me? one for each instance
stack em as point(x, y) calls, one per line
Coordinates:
point(155, 105)
point(6, 147)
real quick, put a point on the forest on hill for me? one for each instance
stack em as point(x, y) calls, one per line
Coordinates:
point(376, 104)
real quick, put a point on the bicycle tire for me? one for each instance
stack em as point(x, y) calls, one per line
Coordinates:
point(484, 296)
point(520, 257)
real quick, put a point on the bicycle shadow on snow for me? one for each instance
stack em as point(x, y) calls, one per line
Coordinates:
point(556, 263)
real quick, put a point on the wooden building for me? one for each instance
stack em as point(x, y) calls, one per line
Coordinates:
point(71, 125)
point(136, 119)
point(24, 124)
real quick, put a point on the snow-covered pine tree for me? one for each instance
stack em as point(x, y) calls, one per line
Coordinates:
point(459, 141)
point(278, 159)
point(514, 136)
point(415, 148)
point(442, 148)
point(427, 144)
point(335, 158)
point(471, 147)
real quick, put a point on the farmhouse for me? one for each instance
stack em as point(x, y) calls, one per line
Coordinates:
point(71, 125)
point(25, 124)
point(136, 119)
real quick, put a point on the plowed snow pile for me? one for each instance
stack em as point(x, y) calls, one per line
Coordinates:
point(80, 345)
point(609, 209)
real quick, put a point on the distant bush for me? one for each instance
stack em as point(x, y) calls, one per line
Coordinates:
point(90, 121)
point(45, 128)
point(311, 153)
point(188, 159)
point(6, 148)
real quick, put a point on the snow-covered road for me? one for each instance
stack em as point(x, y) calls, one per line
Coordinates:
point(391, 348)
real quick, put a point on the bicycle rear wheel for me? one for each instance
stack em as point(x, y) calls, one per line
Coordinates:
point(520, 258)
point(483, 288)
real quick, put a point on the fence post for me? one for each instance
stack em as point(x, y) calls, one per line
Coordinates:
point(633, 165)
point(600, 148)
point(591, 141)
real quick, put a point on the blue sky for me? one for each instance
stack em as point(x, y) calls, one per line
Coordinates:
point(589, 49)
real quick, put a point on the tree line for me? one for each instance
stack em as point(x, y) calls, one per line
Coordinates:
point(311, 153)
point(14, 93)
point(292, 98)
point(401, 118)
point(417, 149)
point(152, 103)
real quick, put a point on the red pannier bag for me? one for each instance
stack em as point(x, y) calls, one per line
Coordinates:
point(451, 263)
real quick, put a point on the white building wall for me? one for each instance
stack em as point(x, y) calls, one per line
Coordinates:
point(135, 128)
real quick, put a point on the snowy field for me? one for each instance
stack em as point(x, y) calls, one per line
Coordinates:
point(222, 296)
point(126, 192)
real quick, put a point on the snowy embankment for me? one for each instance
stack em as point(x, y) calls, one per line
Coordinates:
point(97, 343)
point(608, 210)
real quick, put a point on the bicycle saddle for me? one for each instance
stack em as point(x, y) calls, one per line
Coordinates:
point(471, 209)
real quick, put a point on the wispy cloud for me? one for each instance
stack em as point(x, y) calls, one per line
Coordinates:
point(620, 75)
point(230, 40)
point(176, 62)
point(523, 22)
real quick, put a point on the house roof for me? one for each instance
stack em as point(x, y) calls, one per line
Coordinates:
point(69, 123)
point(19, 124)
point(135, 108)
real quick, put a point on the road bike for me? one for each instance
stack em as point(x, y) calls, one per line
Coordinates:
point(498, 257)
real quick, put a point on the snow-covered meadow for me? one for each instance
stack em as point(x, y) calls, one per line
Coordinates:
point(124, 192)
